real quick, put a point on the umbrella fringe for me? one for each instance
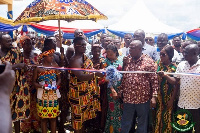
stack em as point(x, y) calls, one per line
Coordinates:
point(61, 17)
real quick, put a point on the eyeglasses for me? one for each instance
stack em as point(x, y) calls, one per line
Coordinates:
point(148, 40)
point(162, 54)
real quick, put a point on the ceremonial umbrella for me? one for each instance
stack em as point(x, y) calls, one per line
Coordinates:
point(69, 10)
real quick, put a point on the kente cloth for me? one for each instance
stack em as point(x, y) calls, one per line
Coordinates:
point(47, 106)
point(84, 97)
point(103, 94)
point(114, 112)
point(164, 114)
point(20, 96)
point(33, 122)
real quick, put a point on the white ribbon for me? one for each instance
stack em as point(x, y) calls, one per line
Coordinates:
point(103, 71)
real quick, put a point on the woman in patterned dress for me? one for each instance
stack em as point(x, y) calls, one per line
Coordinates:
point(47, 82)
point(167, 91)
point(98, 64)
point(20, 97)
point(30, 59)
point(114, 112)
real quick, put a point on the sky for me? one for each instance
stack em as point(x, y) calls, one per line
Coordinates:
point(181, 14)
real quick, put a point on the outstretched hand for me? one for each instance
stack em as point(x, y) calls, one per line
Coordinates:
point(7, 79)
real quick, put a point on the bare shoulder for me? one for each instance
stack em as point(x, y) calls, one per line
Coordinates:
point(75, 62)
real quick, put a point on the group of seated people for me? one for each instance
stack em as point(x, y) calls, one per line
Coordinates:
point(39, 88)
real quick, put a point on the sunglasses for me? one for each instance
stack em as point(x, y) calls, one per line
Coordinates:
point(149, 40)
point(162, 54)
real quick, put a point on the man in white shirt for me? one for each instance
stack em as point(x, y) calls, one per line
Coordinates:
point(178, 56)
point(33, 39)
point(128, 38)
point(190, 85)
point(103, 44)
point(56, 34)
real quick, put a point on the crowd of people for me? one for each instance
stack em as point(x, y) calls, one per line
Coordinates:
point(35, 89)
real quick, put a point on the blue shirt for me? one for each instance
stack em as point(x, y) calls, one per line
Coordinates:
point(150, 51)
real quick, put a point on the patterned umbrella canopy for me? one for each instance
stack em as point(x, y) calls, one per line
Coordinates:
point(69, 10)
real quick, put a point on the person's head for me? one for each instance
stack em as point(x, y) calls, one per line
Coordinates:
point(102, 38)
point(47, 54)
point(135, 49)
point(50, 42)
point(162, 40)
point(70, 52)
point(128, 39)
point(112, 52)
point(117, 43)
point(32, 37)
point(78, 33)
point(96, 50)
point(139, 35)
point(186, 43)
point(191, 52)
point(177, 41)
point(57, 36)
point(166, 54)
point(68, 42)
point(5, 41)
point(150, 41)
point(108, 40)
point(79, 45)
point(40, 43)
point(26, 44)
